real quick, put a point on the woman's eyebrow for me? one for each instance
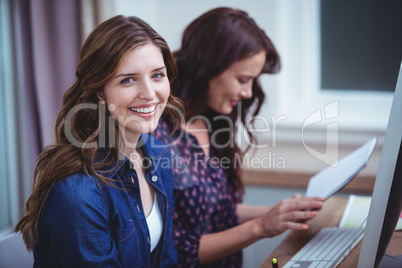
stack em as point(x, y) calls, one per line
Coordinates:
point(160, 68)
point(123, 74)
point(131, 74)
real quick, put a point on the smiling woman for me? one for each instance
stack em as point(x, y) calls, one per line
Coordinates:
point(95, 204)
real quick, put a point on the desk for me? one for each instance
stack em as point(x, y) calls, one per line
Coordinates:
point(329, 216)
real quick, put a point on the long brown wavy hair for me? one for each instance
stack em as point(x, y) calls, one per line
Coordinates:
point(78, 137)
point(210, 45)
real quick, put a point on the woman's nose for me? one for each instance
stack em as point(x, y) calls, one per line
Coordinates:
point(247, 92)
point(147, 91)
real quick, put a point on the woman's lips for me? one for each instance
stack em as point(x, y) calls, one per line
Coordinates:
point(234, 102)
point(145, 111)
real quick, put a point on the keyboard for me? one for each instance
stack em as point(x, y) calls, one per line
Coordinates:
point(327, 248)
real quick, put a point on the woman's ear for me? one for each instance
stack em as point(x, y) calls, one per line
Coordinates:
point(100, 97)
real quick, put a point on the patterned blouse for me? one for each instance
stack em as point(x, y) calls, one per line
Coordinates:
point(204, 200)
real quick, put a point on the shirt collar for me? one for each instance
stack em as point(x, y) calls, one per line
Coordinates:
point(150, 148)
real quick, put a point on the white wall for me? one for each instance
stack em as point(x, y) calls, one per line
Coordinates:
point(169, 18)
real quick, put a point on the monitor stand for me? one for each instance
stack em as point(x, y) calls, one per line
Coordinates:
point(390, 261)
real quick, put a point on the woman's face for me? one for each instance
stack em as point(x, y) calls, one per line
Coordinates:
point(235, 83)
point(138, 92)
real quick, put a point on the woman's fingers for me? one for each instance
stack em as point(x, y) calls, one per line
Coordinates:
point(300, 203)
point(290, 213)
point(301, 215)
point(292, 225)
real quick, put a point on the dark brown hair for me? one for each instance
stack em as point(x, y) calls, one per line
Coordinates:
point(100, 57)
point(210, 45)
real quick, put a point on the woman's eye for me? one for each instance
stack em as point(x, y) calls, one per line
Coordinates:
point(158, 75)
point(127, 81)
point(245, 80)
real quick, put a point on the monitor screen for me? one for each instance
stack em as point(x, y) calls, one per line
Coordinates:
point(386, 202)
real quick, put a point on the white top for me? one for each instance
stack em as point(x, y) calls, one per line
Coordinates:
point(155, 224)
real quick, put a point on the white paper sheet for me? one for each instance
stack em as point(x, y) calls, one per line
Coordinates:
point(332, 179)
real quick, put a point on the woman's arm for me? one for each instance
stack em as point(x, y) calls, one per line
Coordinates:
point(285, 215)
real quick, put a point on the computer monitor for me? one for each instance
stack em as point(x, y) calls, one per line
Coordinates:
point(386, 201)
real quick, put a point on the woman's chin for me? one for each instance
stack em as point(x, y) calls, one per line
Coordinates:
point(224, 110)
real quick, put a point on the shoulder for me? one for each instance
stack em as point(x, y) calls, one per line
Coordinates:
point(74, 191)
point(77, 181)
point(73, 200)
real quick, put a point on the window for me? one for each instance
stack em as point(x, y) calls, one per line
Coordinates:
point(361, 44)
point(296, 91)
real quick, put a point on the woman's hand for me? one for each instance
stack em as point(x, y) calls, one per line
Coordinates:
point(289, 213)
point(263, 222)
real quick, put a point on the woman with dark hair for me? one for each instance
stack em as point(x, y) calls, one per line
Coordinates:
point(222, 54)
point(100, 197)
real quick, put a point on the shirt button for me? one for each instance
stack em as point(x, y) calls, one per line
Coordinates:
point(154, 178)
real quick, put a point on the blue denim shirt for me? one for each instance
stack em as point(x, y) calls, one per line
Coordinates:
point(86, 223)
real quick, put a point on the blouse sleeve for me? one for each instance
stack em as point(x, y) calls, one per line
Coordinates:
point(185, 234)
point(186, 239)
